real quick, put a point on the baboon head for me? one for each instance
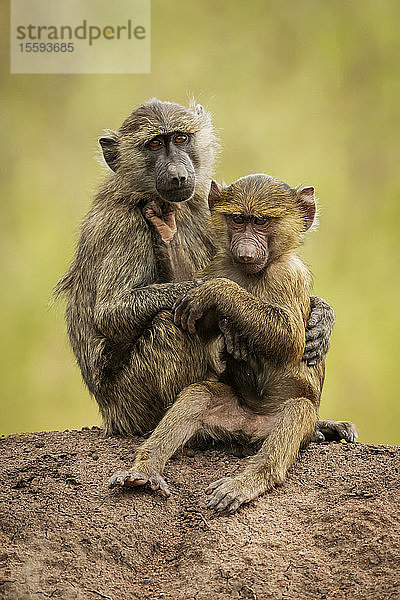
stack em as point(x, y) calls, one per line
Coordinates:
point(258, 218)
point(162, 150)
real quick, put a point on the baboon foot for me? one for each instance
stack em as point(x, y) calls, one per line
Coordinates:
point(229, 493)
point(331, 431)
point(135, 479)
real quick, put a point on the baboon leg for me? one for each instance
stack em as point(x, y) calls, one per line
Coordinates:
point(334, 431)
point(293, 428)
point(182, 421)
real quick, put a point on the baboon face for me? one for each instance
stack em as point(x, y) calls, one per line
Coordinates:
point(248, 236)
point(162, 150)
point(259, 218)
point(168, 157)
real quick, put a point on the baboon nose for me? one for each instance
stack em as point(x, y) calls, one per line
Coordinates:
point(177, 174)
point(245, 255)
point(179, 179)
point(246, 258)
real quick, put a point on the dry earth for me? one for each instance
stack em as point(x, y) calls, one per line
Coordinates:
point(331, 531)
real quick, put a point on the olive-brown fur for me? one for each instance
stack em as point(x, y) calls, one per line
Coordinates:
point(132, 356)
point(272, 397)
point(125, 278)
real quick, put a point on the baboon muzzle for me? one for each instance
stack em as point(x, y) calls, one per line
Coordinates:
point(175, 182)
point(250, 258)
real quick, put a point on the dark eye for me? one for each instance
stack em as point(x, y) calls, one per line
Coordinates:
point(260, 220)
point(155, 144)
point(181, 138)
point(238, 219)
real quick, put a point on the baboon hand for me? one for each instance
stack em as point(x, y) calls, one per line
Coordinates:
point(236, 345)
point(334, 431)
point(192, 307)
point(229, 493)
point(318, 331)
point(134, 478)
point(162, 217)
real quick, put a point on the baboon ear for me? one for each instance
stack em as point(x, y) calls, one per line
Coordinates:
point(199, 109)
point(109, 145)
point(214, 193)
point(307, 202)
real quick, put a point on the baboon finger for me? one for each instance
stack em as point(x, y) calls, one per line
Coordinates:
point(153, 217)
point(243, 349)
point(194, 315)
point(338, 430)
point(315, 318)
point(229, 342)
point(313, 344)
point(184, 317)
point(152, 210)
point(318, 437)
point(317, 355)
point(223, 324)
point(240, 349)
point(225, 502)
point(236, 348)
point(179, 308)
point(347, 431)
point(311, 361)
point(313, 355)
point(313, 333)
point(169, 219)
point(117, 479)
point(226, 331)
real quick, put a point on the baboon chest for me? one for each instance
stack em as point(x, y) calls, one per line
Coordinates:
point(187, 252)
point(180, 262)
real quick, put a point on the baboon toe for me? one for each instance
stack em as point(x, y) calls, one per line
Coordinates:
point(349, 432)
point(334, 431)
point(226, 494)
point(318, 437)
point(158, 484)
point(127, 479)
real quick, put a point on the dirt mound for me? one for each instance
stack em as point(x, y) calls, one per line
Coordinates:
point(331, 531)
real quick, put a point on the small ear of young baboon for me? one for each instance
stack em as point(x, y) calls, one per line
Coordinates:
point(109, 145)
point(214, 193)
point(306, 200)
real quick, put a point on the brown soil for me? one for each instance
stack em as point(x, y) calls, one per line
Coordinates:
point(331, 531)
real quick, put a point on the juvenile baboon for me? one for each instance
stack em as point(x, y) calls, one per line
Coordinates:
point(257, 288)
point(141, 243)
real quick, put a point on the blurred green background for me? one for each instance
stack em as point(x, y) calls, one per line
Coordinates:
point(307, 91)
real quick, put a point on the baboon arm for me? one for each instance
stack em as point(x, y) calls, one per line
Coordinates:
point(273, 329)
point(124, 316)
